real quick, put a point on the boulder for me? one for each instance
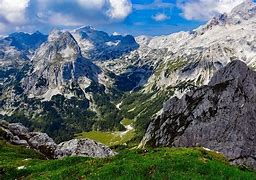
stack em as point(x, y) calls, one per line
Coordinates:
point(220, 116)
point(19, 130)
point(4, 124)
point(17, 134)
point(6, 134)
point(43, 143)
point(82, 147)
point(17, 141)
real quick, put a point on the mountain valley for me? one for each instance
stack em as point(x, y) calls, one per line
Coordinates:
point(178, 90)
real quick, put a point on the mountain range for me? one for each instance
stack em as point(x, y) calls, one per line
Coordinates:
point(80, 80)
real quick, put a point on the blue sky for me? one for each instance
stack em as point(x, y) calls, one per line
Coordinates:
point(136, 17)
point(143, 19)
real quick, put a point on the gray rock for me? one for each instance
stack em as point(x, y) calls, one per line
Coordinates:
point(43, 143)
point(220, 116)
point(19, 130)
point(6, 134)
point(9, 136)
point(17, 134)
point(82, 147)
point(4, 124)
point(17, 141)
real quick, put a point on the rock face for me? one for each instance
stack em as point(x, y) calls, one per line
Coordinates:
point(58, 64)
point(82, 147)
point(220, 116)
point(16, 133)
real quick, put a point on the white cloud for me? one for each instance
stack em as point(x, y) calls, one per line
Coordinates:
point(58, 12)
point(119, 9)
point(19, 14)
point(12, 13)
point(160, 17)
point(206, 9)
point(92, 4)
point(59, 19)
point(13, 10)
point(156, 4)
point(2, 28)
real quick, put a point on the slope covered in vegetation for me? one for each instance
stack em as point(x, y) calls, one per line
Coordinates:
point(16, 162)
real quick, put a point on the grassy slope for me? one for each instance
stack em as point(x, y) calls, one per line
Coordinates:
point(164, 163)
point(110, 138)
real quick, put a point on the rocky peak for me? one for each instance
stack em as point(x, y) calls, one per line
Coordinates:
point(220, 116)
point(92, 34)
point(242, 12)
point(60, 45)
point(67, 45)
point(245, 10)
point(62, 38)
point(24, 41)
point(86, 29)
point(57, 64)
point(236, 70)
point(99, 45)
point(54, 34)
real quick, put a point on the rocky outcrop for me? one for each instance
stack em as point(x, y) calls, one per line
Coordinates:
point(43, 143)
point(220, 116)
point(16, 133)
point(82, 147)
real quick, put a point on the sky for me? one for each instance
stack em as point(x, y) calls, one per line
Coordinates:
point(136, 17)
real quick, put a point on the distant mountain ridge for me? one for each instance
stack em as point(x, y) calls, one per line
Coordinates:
point(98, 45)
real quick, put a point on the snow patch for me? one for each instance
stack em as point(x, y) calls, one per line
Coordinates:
point(207, 149)
point(50, 93)
point(109, 43)
point(21, 167)
point(119, 105)
point(68, 52)
point(132, 109)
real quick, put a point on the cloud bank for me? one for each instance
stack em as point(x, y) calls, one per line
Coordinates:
point(43, 15)
point(29, 14)
point(206, 9)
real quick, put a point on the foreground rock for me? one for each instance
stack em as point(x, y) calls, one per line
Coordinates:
point(82, 147)
point(16, 133)
point(43, 143)
point(220, 116)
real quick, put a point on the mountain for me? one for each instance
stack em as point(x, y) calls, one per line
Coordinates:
point(20, 45)
point(25, 41)
point(219, 116)
point(185, 60)
point(61, 92)
point(16, 50)
point(195, 56)
point(45, 79)
point(98, 45)
point(57, 65)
